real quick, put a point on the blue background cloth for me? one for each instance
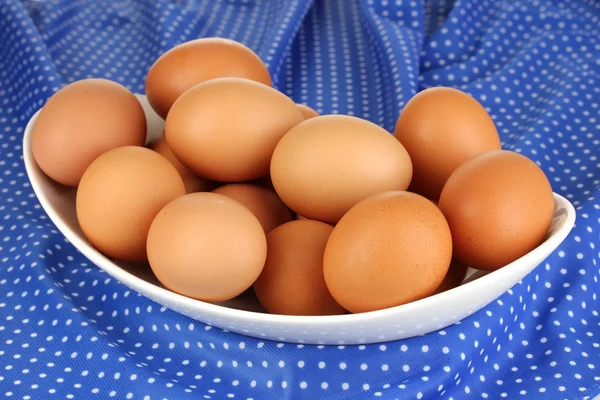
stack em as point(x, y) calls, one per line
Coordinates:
point(67, 330)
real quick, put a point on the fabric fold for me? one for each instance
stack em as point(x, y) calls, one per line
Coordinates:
point(68, 330)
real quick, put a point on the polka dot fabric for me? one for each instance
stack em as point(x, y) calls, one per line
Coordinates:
point(68, 330)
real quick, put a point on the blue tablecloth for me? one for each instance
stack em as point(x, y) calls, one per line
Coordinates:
point(67, 330)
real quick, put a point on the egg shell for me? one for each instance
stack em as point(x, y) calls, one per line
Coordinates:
point(307, 111)
point(441, 128)
point(262, 202)
point(325, 165)
point(120, 194)
point(80, 122)
point(389, 249)
point(206, 246)
point(499, 206)
point(192, 182)
point(292, 281)
point(226, 129)
point(196, 61)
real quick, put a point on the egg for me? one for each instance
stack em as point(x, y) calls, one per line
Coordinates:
point(325, 165)
point(120, 194)
point(262, 202)
point(391, 248)
point(192, 182)
point(441, 128)
point(80, 122)
point(499, 206)
point(292, 282)
point(226, 129)
point(206, 246)
point(307, 111)
point(454, 277)
point(196, 61)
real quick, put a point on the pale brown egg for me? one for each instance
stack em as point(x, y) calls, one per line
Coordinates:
point(499, 206)
point(80, 122)
point(441, 128)
point(325, 165)
point(390, 249)
point(120, 194)
point(193, 183)
point(262, 202)
point(307, 111)
point(454, 277)
point(292, 280)
point(196, 61)
point(226, 129)
point(206, 246)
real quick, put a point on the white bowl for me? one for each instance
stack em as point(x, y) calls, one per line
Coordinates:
point(244, 315)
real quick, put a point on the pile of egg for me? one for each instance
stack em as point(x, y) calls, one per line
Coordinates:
point(319, 214)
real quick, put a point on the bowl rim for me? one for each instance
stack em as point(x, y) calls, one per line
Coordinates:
point(140, 285)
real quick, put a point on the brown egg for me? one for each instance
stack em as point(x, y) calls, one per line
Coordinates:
point(80, 122)
point(307, 111)
point(499, 206)
point(292, 280)
point(226, 129)
point(440, 128)
point(264, 203)
point(197, 61)
point(454, 277)
point(390, 249)
point(120, 194)
point(206, 246)
point(325, 165)
point(193, 183)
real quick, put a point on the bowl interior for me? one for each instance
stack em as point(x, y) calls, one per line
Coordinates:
point(244, 311)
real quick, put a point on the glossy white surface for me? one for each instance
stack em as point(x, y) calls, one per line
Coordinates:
point(243, 315)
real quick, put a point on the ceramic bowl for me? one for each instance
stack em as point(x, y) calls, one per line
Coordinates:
point(245, 316)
